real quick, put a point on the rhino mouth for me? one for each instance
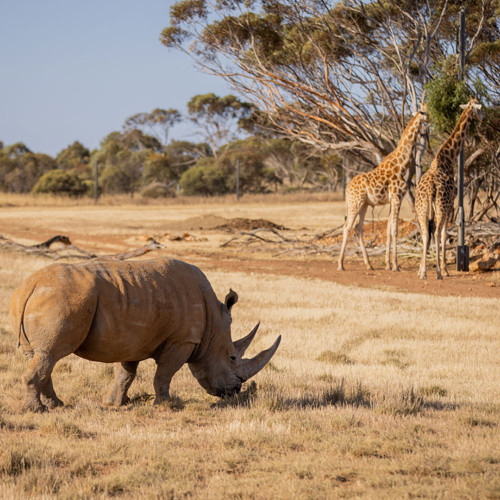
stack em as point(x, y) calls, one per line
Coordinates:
point(223, 392)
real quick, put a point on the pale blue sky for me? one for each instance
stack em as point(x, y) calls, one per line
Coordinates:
point(75, 70)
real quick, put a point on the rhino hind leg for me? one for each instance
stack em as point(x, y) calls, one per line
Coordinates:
point(124, 376)
point(36, 377)
point(51, 399)
point(168, 362)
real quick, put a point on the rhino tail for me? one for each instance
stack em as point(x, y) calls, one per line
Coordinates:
point(18, 308)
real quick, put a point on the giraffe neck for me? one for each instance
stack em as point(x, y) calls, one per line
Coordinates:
point(452, 146)
point(404, 149)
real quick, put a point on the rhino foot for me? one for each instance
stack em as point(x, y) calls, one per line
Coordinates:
point(161, 399)
point(117, 400)
point(54, 403)
point(34, 406)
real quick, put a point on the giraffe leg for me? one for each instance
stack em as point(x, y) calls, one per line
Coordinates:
point(359, 233)
point(424, 232)
point(388, 244)
point(439, 246)
point(444, 235)
point(395, 206)
point(351, 216)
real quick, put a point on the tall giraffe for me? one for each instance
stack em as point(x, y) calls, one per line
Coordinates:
point(382, 185)
point(436, 190)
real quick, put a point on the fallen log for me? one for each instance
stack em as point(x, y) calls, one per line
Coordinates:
point(70, 251)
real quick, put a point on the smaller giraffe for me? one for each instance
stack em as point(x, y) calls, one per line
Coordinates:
point(382, 185)
point(436, 190)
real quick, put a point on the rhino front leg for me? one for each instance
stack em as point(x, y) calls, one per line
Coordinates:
point(168, 363)
point(124, 376)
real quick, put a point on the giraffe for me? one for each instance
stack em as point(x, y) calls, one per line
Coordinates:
point(436, 190)
point(382, 185)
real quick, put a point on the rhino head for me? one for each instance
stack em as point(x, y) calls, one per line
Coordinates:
point(218, 362)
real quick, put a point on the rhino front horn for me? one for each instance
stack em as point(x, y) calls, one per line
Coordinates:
point(242, 345)
point(252, 366)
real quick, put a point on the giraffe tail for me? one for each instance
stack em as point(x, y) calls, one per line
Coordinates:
point(431, 226)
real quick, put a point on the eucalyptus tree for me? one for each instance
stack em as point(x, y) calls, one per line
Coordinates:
point(20, 168)
point(219, 120)
point(158, 123)
point(340, 75)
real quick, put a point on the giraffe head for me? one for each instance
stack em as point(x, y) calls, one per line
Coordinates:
point(475, 110)
point(424, 118)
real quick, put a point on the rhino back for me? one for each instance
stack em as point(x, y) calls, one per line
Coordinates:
point(143, 304)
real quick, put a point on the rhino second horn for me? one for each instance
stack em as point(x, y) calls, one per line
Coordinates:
point(242, 345)
point(252, 366)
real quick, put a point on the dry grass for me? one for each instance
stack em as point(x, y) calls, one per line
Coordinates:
point(372, 394)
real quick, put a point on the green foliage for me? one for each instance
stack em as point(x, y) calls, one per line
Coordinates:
point(75, 156)
point(206, 178)
point(16, 150)
point(20, 169)
point(445, 95)
point(60, 182)
point(151, 130)
point(211, 105)
point(218, 118)
point(187, 9)
point(167, 167)
point(121, 160)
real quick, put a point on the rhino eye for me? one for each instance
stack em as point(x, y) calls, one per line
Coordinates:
point(232, 358)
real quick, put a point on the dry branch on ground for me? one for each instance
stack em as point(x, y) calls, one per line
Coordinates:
point(68, 250)
point(481, 237)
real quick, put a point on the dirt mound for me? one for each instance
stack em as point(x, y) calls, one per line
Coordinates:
point(241, 224)
point(374, 232)
point(200, 223)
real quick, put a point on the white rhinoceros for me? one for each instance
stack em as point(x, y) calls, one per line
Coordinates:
point(126, 312)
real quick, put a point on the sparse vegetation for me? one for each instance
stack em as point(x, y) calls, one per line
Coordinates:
point(372, 393)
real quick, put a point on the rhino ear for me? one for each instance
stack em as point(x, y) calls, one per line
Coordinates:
point(231, 299)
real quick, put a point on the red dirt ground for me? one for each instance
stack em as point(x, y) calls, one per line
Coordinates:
point(458, 284)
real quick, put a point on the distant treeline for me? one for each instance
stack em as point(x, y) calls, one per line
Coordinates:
point(142, 158)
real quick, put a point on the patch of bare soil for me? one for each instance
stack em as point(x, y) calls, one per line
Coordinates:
point(304, 267)
point(457, 284)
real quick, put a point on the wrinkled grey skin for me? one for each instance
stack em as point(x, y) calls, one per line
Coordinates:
point(125, 312)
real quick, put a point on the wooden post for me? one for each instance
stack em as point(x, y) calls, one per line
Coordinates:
point(237, 179)
point(96, 182)
point(462, 248)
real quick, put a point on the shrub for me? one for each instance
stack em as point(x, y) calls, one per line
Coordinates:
point(60, 182)
point(157, 190)
point(205, 178)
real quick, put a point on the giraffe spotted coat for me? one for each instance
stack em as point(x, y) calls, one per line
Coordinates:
point(382, 185)
point(436, 190)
